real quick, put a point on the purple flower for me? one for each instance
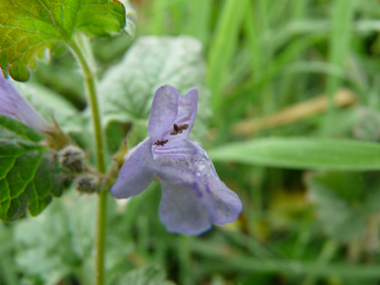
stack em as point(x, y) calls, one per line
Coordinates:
point(13, 105)
point(193, 196)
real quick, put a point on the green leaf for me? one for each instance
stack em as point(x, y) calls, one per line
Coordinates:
point(25, 181)
point(59, 242)
point(302, 153)
point(28, 27)
point(26, 177)
point(367, 124)
point(344, 201)
point(10, 148)
point(127, 89)
point(45, 244)
point(130, 14)
point(13, 128)
point(149, 275)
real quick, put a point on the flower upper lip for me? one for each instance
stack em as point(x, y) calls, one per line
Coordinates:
point(193, 196)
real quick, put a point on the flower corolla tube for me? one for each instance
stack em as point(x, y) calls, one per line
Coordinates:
point(13, 105)
point(193, 196)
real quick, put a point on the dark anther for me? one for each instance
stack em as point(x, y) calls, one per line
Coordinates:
point(161, 143)
point(184, 127)
point(179, 129)
point(176, 130)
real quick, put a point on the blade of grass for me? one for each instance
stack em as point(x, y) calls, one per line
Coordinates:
point(266, 75)
point(159, 17)
point(291, 267)
point(339, 43)
point(276, 12)
point(199, 19)
point(290, 83)
point(264, 13)
point(302, 153)
point(185, 275)
point(252, 34)
point(223, 47)
point(229, 260)
point(266, 18)
point(299, 8)
point(328, 252)
point(305, 234)
point(178, 20)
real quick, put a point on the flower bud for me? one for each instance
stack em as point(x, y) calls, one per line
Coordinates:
point(87, 183)
point(72, 158)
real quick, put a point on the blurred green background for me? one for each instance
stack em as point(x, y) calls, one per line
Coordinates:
point(265, 68)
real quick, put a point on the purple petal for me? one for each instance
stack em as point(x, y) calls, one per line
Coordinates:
point(193, 197)
point(187, 110)
point(13, 105)
point(136, 173)
point(224, 205)
point(181, 210)
point(179, 144)
point(191, 208)
point(164, 111)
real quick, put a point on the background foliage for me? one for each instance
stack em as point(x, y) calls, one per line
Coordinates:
point(311, 214)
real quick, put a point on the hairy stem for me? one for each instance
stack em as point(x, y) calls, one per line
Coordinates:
point(90, 81)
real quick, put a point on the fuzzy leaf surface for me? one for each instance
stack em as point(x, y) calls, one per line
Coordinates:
point(344, 201)
point(149, 275)
point(57, 242)
point(127, 96)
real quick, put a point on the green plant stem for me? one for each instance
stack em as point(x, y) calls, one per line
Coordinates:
point(90, 81)
point(328, 251)
point(100, 238)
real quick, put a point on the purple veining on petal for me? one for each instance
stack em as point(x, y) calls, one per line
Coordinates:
point(208, 189)
point(197, 190)
point(175, 148)
point(193, 196)
point(13, 105)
